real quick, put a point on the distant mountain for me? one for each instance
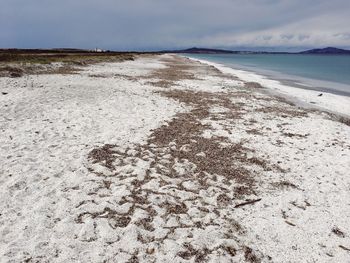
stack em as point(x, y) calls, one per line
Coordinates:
point(327, 50)
point(208, 51)
point(195, 50)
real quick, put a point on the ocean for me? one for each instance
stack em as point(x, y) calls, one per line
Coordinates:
point(328, 73)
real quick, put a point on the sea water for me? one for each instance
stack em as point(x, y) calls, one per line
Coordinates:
point(330, 73)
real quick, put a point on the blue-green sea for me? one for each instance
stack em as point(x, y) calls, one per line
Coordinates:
point(329, 73)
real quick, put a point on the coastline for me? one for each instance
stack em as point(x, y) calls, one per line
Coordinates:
point(161, 158)
point(333, 103)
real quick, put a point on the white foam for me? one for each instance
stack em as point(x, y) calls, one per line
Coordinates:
point(328, 101)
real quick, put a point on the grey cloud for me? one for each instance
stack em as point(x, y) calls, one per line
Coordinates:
point(153, 24)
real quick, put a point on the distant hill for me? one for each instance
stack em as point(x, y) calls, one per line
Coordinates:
point(209, 51)
point(327, 50)
point(195, 50)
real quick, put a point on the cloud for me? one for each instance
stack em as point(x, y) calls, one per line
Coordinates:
point(321, 30)
point(153, 24)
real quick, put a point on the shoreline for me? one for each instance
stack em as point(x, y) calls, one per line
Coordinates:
point(297, 81)
point(309, 98)
point(290, 79)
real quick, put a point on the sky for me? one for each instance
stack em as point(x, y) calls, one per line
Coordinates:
point(282, 25)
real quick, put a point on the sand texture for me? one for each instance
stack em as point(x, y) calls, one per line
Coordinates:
point(165, 159)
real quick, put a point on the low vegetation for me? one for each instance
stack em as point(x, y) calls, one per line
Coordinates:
point(18, 63)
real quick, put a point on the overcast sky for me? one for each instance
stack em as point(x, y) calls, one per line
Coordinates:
point(163, 24)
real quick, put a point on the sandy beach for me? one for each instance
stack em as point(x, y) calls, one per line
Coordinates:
point(161, 158)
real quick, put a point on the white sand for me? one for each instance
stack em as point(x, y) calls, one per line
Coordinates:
point(48, 125)
point(53, 207)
